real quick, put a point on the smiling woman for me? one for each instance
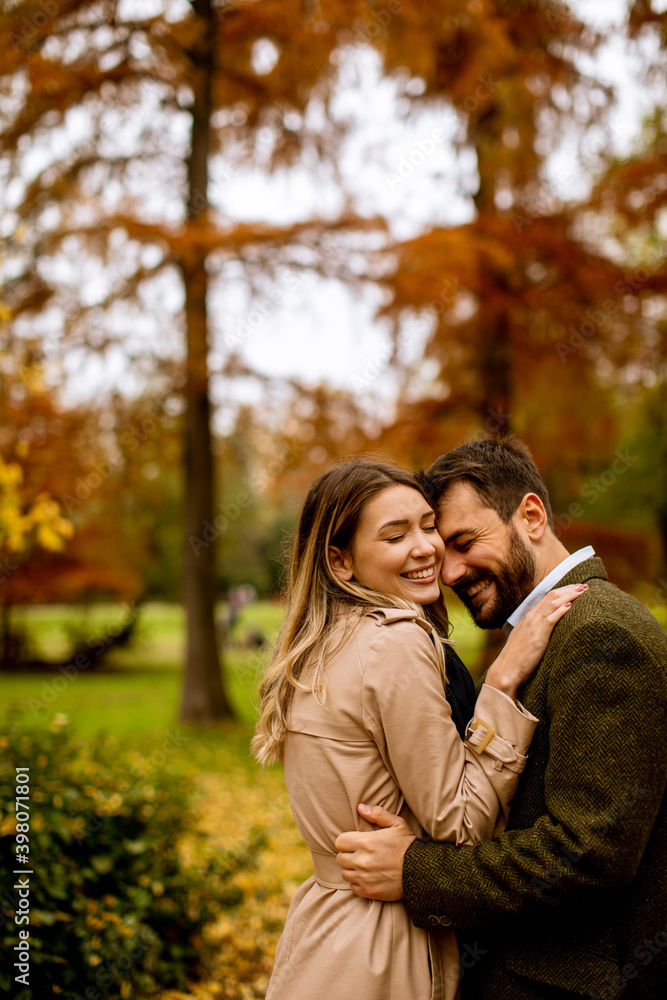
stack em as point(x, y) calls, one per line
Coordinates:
point(396, 548)
point(365, 700)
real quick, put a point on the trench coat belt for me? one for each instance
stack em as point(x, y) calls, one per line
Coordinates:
point(327, 871)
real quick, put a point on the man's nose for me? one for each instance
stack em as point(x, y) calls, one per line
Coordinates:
point(453, 569)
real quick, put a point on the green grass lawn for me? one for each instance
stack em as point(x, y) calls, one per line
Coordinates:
point(137, 691)
point(138, 688)
point(135, 699)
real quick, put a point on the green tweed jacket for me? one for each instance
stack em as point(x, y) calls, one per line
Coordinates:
point(573, 895)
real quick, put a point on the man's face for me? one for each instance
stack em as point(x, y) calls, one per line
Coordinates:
point(487, 563)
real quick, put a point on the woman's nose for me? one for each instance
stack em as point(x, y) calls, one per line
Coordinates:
point(423, 546)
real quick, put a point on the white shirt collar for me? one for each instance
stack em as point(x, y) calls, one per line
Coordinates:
point(547, 584)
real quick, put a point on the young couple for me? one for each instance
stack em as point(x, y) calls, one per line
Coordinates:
point(367, 702)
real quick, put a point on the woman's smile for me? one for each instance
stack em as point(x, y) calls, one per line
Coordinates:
point(425, 575)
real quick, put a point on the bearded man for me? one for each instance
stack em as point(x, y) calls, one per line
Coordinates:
point(571, 899)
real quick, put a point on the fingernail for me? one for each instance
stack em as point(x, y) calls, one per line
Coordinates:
point(568, 605)
point(364, 807)
point(581, 586)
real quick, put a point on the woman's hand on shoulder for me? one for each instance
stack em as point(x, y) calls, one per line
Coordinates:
point(528, 641)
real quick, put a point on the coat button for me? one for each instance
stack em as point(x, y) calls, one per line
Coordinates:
point(433, 919)
point(445, 921)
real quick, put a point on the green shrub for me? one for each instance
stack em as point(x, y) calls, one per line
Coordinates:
point(115, 912)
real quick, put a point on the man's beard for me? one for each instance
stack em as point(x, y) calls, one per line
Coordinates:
point(513, 583)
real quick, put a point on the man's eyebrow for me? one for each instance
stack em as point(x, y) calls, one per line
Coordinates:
point(474, 532)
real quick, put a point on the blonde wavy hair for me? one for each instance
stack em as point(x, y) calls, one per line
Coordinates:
point(321, 609)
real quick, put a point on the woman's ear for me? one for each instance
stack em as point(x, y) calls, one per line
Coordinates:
point(341, 563)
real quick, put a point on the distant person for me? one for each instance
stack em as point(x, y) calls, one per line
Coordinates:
point(571, 900)
point(364, 701)
point(239, 598)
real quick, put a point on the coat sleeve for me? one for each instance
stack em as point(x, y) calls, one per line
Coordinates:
point(603, 785)
point(456, 794)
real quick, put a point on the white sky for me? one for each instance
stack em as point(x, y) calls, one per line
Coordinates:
point(329, 331)
point(321, 329)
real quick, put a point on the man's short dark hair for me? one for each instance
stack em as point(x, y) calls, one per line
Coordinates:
point(501, 470)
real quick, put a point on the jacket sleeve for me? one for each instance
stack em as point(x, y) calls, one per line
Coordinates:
point(455, 793)
point(603, 785)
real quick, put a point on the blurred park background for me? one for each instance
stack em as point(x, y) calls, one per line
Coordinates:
point(240, 239)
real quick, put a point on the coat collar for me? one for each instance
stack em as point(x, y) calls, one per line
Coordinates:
point(590, 569)
point(551, 580)
point(385, 616)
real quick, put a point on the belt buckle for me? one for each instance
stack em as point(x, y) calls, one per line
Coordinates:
point(490, 733)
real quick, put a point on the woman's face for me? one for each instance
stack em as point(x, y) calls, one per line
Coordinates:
point(396, 548)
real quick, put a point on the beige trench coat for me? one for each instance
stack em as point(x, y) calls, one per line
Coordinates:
point(386, 737)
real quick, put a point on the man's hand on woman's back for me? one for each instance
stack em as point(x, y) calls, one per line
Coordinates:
point(373, 862)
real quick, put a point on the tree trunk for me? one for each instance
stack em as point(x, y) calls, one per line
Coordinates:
point(495, 371)
point(5, 633)
point(495, 361)
point(203, 696)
